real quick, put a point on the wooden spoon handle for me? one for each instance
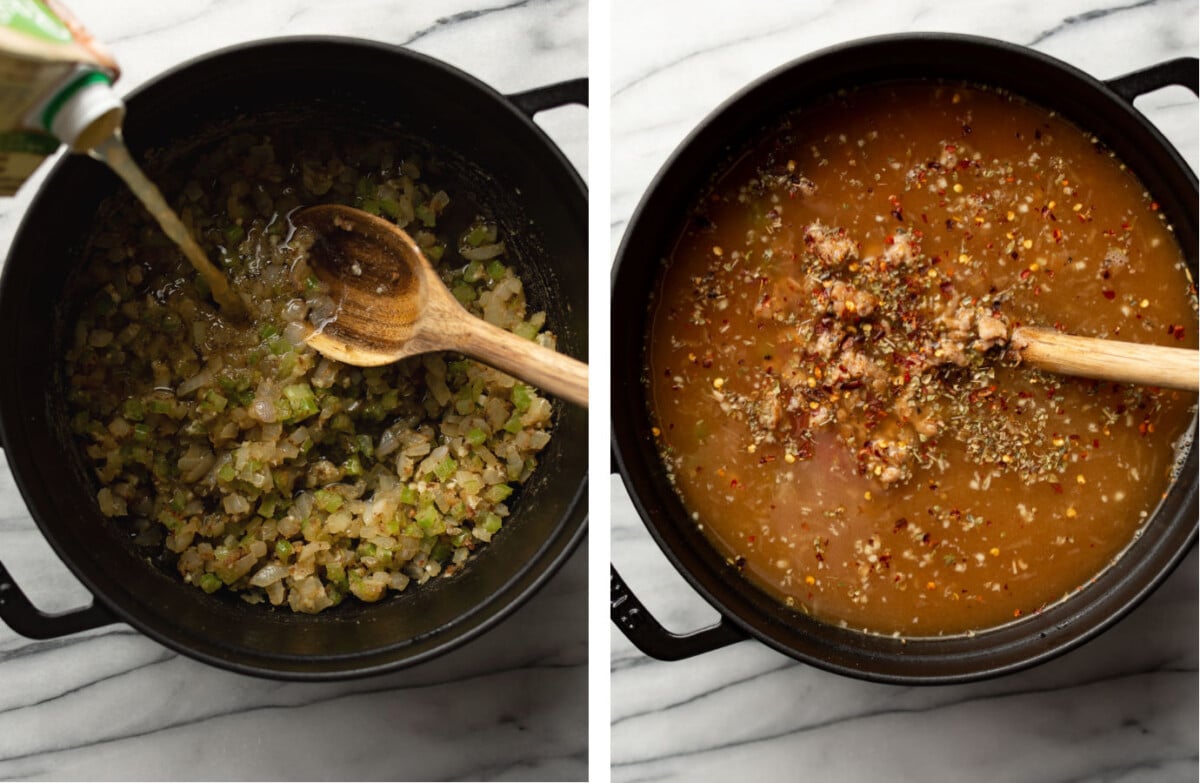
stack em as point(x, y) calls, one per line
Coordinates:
point(545, 368)
point(1109, 360)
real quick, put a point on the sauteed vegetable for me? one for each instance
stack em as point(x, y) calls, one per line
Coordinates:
point(242, 456)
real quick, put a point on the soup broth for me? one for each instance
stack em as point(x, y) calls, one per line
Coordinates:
point(829, 373)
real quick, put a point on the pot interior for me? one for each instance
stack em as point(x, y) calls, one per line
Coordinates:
point(707, 153)
point(480, 150)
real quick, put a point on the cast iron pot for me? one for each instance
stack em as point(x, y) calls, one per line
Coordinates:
point(1104, 108)
point(495, 158)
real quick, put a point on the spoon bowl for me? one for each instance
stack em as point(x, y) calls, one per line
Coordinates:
point(392, 304)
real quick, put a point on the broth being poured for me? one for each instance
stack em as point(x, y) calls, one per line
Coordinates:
point(113, 152)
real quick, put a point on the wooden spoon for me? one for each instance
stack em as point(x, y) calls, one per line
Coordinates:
point(392, 304)
point(1109, 360)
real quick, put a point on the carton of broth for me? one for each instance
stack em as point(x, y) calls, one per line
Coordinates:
point(55, 86)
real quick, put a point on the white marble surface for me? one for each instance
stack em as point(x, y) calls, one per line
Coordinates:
point(1121, 708)
point(111, 704)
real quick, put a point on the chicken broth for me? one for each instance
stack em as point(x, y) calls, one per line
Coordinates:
point(831, 383)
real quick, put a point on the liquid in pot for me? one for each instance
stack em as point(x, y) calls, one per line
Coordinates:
point(829, 376)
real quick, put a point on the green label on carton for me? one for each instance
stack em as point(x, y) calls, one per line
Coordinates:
point(28, 141)
point(34, 19)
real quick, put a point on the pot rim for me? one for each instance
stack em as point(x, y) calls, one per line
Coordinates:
point(627, 448)
point(549, 557)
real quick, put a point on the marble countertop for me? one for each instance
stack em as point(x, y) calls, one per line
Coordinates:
point(112, 704)
point(1121, 708)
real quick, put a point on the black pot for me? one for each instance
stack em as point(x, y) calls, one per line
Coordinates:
point(1104, 108)
point(495, 156)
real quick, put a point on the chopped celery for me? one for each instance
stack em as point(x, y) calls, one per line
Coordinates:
point(526, 330)
point(476, 437)
point(498, 493)
point(133, 410)
point(521, 397)
point(283, 549)
point(409, 496)
point(445, 469)
point(491, 522)
point(302, 400)
point(327, 501)
point(513, 424)
point(476, 236)
point(210, 583)
point(496, 270)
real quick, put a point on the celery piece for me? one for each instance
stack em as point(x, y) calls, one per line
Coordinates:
point(464, 293)
point(267, 331)
point(496, 270)
point(525, 330)
point(216, 401)
point(473, 272)
point(327, 501)
point(498, 493)
point(266, 509)
point(390, 400)
point(365, 549)
point(513, 424)
point(435, 252)
point(476, 437)
point(160, 406)
point(133, 410)
point(302, 400)
point(445, 469)
point(286, 365)
point(521, 397)
point(390, 207)
point(335, 573)
point(430, 521)
point(352, 466)
point(210, 583)
point(370, 205)
point(364, 445)
point(491, 522)
point(476, 236)
point(283, 549)
point(441, 552)
point(392, 526)
point(409, 496)
point(311, 283)
point(426, 215)
point(226, 473)
point(142, 432)
point(342, 422)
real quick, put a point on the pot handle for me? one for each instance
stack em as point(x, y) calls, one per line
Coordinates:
point(648, 635)
point(26, 619)
point(1184, 71)
point(551, 96)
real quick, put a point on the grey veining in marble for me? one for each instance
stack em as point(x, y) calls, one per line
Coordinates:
point(1121, 708)
point(111, 704)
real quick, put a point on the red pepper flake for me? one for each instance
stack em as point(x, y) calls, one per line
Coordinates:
point(1058, 488)
point(1154, 205)
point(1177, 331)
point(1109, 294)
